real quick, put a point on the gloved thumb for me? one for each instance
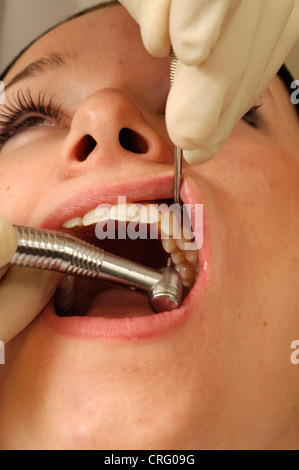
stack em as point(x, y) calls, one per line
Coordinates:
point(204, 154)
point(8, 242)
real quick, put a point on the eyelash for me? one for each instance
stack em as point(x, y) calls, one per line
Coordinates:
point(24, 104)
point(252, 117)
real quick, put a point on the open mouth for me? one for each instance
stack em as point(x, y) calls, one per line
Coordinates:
point(150, 234)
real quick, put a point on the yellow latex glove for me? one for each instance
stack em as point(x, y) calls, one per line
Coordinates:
point(23, 292)
point(229, 52)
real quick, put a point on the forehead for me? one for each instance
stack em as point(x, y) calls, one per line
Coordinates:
point(90, 37)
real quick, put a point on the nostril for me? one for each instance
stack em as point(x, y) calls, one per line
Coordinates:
point(132, 141)
point(85, 147)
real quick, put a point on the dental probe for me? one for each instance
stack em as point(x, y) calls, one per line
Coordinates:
point(55, 251)
point(178, 153)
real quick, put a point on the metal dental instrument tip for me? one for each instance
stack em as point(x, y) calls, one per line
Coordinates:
point(55, 251)
point(178, 153)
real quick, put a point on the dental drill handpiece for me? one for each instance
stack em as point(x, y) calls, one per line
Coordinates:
point(55, 251)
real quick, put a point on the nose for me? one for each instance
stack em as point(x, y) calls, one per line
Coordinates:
point(108, 126)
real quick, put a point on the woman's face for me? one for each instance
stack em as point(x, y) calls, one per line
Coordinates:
point(215, 374)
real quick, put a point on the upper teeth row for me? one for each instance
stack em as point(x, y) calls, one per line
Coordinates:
point(167, 218)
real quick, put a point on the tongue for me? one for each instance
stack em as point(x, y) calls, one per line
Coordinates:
point(118, 303)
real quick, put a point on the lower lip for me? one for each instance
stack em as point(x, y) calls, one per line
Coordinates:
point(115, 328)
point(134, 327)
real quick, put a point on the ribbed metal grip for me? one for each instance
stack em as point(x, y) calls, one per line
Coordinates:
point(52, 251)
point(173, 66)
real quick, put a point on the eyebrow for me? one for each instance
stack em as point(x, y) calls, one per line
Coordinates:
point(48, 63)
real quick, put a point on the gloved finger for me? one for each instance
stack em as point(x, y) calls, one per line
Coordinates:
point(153, 18)
point(233, 93)
point(23, 295)
point(200, 94)
point(196, 26)
point(251, 88)
point(8, 242)
point(133, 7)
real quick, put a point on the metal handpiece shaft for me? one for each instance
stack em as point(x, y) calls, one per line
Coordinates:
point(54, 251)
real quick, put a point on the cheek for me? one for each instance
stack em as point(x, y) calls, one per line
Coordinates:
point(23, 176)
point(254, 171)
point(252, 189)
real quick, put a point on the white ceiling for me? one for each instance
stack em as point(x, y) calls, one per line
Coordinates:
point(23, 20)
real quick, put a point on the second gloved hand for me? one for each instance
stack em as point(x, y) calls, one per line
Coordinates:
point(228, 50)
point(23, 292)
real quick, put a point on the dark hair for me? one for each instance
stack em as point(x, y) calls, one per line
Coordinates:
point(283, 73)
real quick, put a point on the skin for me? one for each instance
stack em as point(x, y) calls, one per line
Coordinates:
point(224, 378)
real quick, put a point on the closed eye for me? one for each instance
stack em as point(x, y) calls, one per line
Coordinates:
point(252, 117)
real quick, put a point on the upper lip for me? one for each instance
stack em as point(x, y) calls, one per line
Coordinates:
point(151, 188)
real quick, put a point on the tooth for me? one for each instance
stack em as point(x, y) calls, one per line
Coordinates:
point(76, 222)
point(89, 218)
point(101, 214)
point(170, 225)
point(64, 302)
point(189, 284)
point(125, 212)
point(178, 257)
point(134, 212)
point(144, 214)
point(169, 245)
point(183, 244)
point(65, 294)
point(192, 257)
point(186, 271)
point(149, 214)
point(186, 223)
point(67, 285)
